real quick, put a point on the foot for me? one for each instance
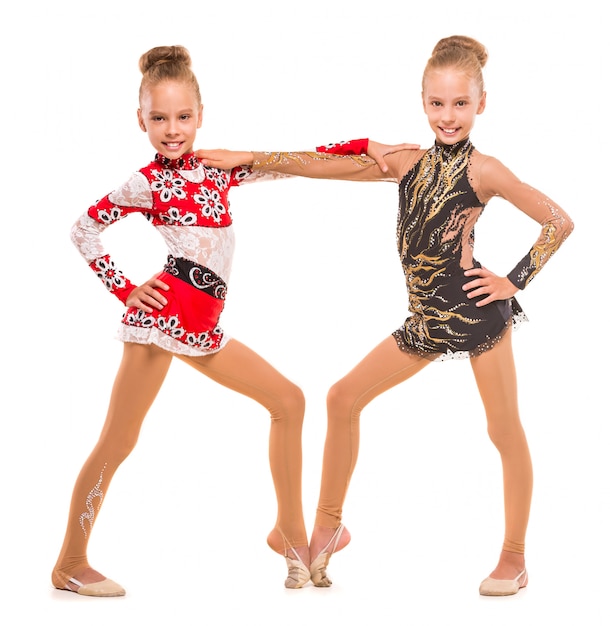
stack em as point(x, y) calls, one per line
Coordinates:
point(324, 543)
point(89, 582)
point(509, 565)
point(297, 559)
point(509, 576)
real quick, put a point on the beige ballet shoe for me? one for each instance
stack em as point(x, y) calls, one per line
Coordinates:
point(320, 563)
point(498, 587)
point(103, 589)
point(298, 572)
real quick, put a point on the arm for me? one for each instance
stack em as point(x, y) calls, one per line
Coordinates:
point(556, 226)
point(86, 236)
point(322, 165)
point(345, 160)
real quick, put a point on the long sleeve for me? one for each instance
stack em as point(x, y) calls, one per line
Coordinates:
point(556, 227)
point(556, 224)
point(353, 167)
point(86, 232)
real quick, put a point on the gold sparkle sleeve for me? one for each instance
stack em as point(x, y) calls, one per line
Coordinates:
point(320, 165)
point(555, 230)
point(555, 224)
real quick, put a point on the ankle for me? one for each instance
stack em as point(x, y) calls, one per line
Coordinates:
point(514, 559)
point(322, 537)
point(278, 542)
point(302, 552)
point(85, 575)
point(510, 565)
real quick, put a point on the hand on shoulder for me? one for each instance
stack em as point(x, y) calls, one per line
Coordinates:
point(379, 151)
point(224, 159)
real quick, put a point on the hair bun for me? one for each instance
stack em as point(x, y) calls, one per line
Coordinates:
point(468, 44)
point(164, 54)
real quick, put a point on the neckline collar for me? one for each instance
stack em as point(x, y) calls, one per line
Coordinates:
point(454, 148)
point(187, 161)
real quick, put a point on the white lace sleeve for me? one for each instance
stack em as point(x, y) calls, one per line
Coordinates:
point(85, 235)
point(133, 196)
point(134, 193)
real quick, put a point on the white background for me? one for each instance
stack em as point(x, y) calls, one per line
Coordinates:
point(316, 285)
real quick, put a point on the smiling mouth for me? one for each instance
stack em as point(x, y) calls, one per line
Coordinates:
point(449, 131)
point(172, 145)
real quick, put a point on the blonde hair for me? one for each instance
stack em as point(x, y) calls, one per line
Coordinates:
point(461, 53)
point(165, 63)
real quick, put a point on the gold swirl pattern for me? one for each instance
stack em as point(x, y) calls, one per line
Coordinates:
point(435, 237)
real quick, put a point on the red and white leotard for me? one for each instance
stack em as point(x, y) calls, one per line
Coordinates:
point(188, 205)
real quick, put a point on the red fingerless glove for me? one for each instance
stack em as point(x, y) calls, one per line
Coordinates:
point(355, 146)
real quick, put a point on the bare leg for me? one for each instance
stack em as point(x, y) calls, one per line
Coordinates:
point(497, 382)
point(239, 368)
point(140, 375)
point(383, 368)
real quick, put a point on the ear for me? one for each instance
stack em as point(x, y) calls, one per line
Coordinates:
point(482, 103)
point(200, 116)
point(141, 123)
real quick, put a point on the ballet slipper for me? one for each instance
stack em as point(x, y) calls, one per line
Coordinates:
point(102, 589)
point(499, 587)
point(298, 572)
point(320, 563)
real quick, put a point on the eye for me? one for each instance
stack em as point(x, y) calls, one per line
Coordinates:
point(462, 103)
point(157, 118)
point(185, 117)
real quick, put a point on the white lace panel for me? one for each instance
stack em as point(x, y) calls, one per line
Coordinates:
point(210, 247)
point(134, 193)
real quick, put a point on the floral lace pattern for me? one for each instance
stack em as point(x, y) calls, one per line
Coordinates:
point(188, 205)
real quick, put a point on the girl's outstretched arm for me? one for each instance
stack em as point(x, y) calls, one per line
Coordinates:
point(351, 164)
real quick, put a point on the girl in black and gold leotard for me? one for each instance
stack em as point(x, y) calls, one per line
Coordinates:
point(457, 307)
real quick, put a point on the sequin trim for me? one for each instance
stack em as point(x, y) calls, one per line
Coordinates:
point(185, 162)
point(198, 276)
point(89, 514)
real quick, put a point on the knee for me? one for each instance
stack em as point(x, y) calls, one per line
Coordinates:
point(116, 448)
point(505, 432)
point(296, 400)
point(340, 402)
point(291, 404)
point(494, 436)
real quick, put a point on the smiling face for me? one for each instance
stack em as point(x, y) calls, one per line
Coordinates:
point(170, 114)
point(452, 100)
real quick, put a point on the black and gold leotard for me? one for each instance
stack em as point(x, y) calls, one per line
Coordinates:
point(438, 209)
point(442, 193)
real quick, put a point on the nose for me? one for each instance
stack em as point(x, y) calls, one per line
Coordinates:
point(448, 115)
point(171, 128)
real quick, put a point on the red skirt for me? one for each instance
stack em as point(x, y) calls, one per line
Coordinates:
point(190, 319)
